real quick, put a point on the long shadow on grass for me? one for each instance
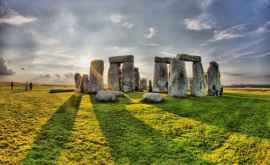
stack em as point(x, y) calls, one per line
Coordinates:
point(244, 115)
point(54, 134)
point(134, 142)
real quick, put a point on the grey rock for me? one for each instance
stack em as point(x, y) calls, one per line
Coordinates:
point(166, 60)
point(150, 88)
point(128, 77)
point(136, 79)
point(105, 96)
point(198, 87)
point(114, 77)
point(160, 83)
point(143, 84)
point(186, 57)
point(121, 59)
point(152, 98)
point(178, 83)
point(213, 78)
point(84, 84)
point(96, 76)
point(77, 79)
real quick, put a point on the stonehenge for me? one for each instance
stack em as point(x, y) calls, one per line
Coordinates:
point(143, 84)
point(198, 87)
point(170, 76)
point(213, 79)
point(136, 79)
point(77, 78)
point(121, 73)
point(178, 83)
point(161, 75)
point(96, 76)
point(84, 84)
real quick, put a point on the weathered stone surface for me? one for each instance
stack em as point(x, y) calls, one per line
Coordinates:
point(163, 60)
point(150, 88)
point(117, 93)
point(152, 98)
point(136, 79)
point(178, 83)
point(121, 59)
point(143, 84)
point(77, 79)
point(198, 87)
point(96, 76)
point(114, 77)
point(186, 57)
point(105, 96)
point(84, 84)
point(213, 79)
point(160, 77)
point(128, 77)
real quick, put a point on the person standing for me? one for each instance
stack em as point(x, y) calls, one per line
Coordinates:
point(11, 85)
point(31, 86)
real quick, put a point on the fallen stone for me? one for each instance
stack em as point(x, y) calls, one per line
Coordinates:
point(105, 96)
point(121, 59)
point(152, 98)
point(60, 90)
point(186, 57)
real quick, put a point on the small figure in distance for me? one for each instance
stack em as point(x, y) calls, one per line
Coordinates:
point(26, 86)
point(11, 85)
point(31, 86)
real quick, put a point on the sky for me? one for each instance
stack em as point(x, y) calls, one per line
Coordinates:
point(48, 41)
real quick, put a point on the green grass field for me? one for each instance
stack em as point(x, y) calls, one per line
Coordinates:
point(68, 128)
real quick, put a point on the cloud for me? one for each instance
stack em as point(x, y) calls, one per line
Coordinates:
point(202, 22)
point(4, 71)
point(11, 17)
point(151, 32)
point(116, 18)
point(265, 28)
point(230, 33)
point(121, 20)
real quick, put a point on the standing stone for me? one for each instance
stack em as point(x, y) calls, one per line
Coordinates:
point(96, 75)
point(143, 84)
point(178, 83)
point(128, 76)
point(213, 79)
point(84, 84)
point(150, 88)
point(77, 78)
point(136, 79)
point(114, 77)
point(160, 77)
point(198, 87)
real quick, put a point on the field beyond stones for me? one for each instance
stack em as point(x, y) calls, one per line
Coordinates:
point(67, 128)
